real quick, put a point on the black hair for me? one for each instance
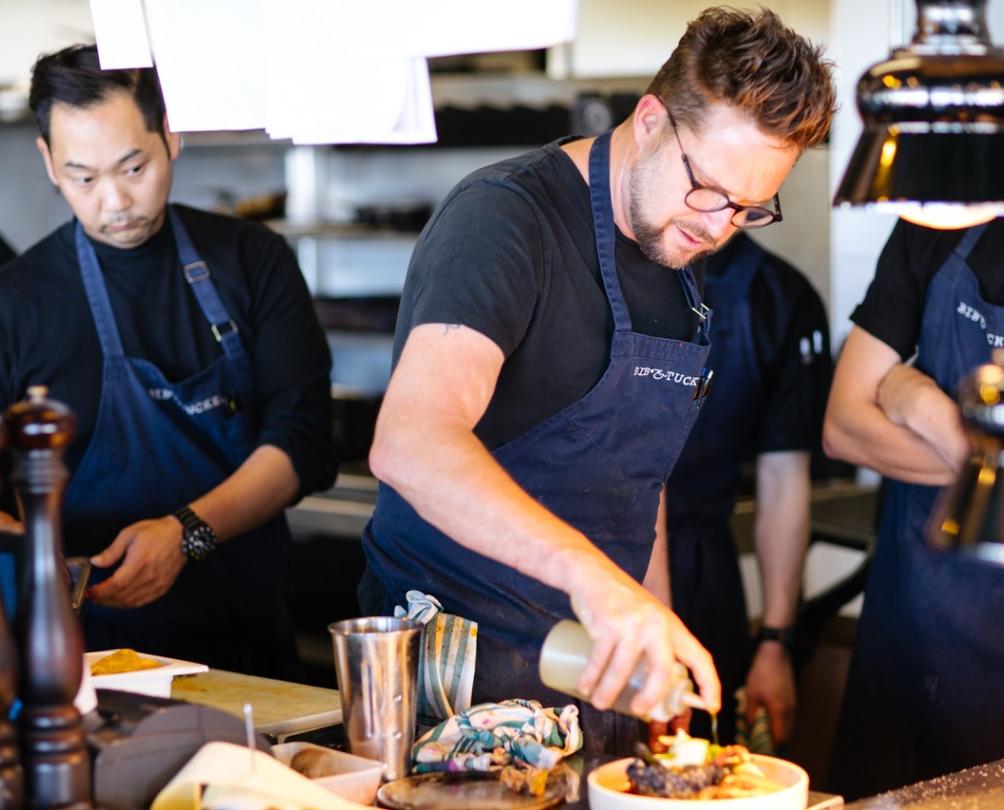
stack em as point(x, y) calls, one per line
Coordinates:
point(74, 76)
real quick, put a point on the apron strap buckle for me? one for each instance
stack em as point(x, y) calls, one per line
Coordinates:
point(196, 271)
point(222, 329)
point(701, 310)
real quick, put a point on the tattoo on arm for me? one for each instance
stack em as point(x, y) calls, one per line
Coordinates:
point(448, 327)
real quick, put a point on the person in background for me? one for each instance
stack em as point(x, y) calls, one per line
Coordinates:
point(924, 689)
point(187, 345)
point(6, 252)
point(550, 360)
point(770, 353)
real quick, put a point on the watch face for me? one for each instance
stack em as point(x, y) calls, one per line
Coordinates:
point(198, 542)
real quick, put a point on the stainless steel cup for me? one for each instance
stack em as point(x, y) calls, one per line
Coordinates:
point(376, 659)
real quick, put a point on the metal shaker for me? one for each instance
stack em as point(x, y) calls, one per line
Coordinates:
point(376, 659)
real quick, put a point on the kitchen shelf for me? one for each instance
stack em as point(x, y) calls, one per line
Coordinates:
point(336, 230)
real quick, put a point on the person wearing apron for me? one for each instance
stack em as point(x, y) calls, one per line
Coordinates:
point(559, 519)
point(924, 686)
point(580, 442)
point(771, 363)
point(187, 346)
point(226, 608)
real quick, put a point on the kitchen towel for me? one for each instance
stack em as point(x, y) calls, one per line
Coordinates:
point(446, 659)
point(489, 736)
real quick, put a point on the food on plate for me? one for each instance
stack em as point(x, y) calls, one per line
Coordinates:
point(124, 660)
point(692, 768)
point(313, 763)
point(524, 779)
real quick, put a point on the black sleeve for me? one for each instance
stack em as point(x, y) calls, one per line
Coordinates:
point(292, 362)
point(6, 252)
point(478, 264)
point(894, 304)
point(798, 368)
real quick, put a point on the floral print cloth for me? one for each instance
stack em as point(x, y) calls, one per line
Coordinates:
point(489, 736)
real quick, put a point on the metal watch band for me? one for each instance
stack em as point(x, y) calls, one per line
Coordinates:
point(189, 520)
point(198, 540)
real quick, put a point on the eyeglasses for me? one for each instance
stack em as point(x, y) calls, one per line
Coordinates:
point(708, 199)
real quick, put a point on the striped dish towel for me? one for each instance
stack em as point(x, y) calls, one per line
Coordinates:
point(446, 659)
point(489, 736)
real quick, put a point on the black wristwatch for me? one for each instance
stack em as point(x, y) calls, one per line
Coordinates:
point(197, 537)
point(784, 635)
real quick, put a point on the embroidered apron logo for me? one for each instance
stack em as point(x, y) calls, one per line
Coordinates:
point(971, 314)
point(665, 374)
point(192, 408)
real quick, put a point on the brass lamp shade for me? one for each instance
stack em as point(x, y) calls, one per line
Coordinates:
point(892, 165)
point(933, 113)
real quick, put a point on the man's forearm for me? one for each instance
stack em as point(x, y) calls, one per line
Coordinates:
point(859, 431)
point(913, 399)
point(782, 531)
point(256, 492)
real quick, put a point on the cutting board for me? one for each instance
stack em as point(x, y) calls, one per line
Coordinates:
point(280, 708)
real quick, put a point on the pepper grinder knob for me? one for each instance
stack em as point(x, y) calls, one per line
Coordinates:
point(40, 423)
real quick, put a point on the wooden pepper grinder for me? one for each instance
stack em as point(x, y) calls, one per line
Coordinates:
point(56, 760)
point(11, 775)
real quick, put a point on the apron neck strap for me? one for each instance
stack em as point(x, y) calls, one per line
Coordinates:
point(198, 277)
point(97, 295)
point(604, 230)
point(969, 240)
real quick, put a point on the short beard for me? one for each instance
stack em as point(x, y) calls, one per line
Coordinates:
point(650, 237)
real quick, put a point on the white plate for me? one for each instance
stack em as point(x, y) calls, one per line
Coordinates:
point(155, 682)
point(608, 785)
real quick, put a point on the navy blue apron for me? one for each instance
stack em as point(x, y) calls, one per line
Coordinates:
point(158, 445)
point(925, 688)
point(705, 579)
point(599, 464)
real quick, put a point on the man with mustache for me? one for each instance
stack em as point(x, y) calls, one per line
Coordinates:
point(550, 361)
point(187, 345)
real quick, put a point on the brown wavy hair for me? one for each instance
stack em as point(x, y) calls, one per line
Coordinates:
point(754, 63)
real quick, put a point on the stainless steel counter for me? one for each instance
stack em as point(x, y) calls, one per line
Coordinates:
point(979, 788)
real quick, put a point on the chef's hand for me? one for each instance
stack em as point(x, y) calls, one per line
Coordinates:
point(9, 525)
point(771, 684)
point(625, 621)
point(152, 561)
point(911, 399)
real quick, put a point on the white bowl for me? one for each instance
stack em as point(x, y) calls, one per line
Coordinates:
point(355, 778)
point(155, 682)
point(608, 787)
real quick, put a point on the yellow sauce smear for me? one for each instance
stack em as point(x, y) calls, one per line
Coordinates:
point(124, 660)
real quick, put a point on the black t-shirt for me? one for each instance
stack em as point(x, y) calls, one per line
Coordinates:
point(48, 337)
point(894, 304)
point(6, 252)
point(791, 341)
point(511, 254)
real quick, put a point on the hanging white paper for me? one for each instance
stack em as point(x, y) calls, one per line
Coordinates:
point(327, 71)
point(120, 32)
point(209, 56)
